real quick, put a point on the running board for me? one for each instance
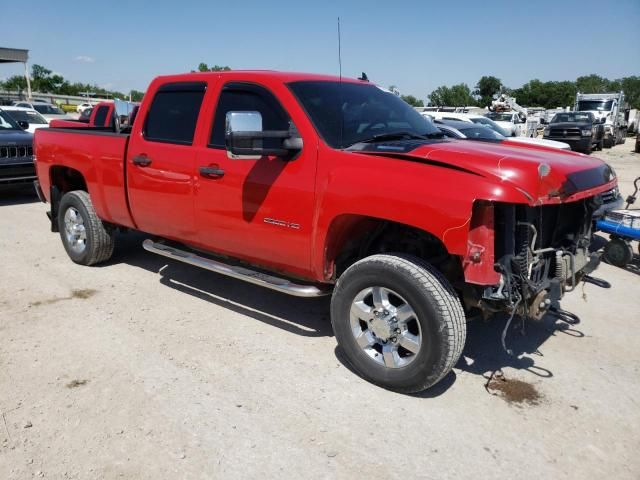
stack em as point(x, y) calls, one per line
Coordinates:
point(257, 278)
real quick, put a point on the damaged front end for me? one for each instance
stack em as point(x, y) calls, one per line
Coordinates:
point(539, 254)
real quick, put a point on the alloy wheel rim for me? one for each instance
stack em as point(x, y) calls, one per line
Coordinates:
point(385, 326)
point(75, 231)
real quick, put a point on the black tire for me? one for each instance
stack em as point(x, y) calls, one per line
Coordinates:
point(437, 309)
point(608, 142)
point(588, 149)
point(99, 242)
point(600, 145)
point(618, 252)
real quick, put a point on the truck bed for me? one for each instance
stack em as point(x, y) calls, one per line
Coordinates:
point(99, 155)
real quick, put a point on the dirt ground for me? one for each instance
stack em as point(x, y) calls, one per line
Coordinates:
point(148, 369)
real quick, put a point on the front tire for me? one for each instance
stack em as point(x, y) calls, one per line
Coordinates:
point(398, 321)
point(84, 236)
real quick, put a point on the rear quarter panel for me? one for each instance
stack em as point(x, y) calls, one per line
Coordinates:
point(98, 156)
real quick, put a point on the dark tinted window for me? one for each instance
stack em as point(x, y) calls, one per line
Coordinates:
point(101, 116)
point(347, 113)
point(239, 97)
point(174, 112)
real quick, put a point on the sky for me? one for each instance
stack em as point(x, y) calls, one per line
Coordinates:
point(414, 45)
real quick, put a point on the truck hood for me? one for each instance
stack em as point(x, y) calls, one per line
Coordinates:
point(540, 175)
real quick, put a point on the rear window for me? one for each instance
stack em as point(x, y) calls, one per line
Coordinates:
point(173, 114)
point(101, 116)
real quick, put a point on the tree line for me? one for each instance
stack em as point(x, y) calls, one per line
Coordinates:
point(44, 80)
point(535, 93)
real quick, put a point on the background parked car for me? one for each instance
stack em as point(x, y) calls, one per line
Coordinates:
point(581, 130)
point(83, 106)
point(33, 118)
point(16, 152)
point(47, 110)
point(487, 122)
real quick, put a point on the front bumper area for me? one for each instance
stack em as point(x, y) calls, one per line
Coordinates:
point(577, 144)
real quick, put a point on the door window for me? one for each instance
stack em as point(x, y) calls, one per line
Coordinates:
point(173, 114)
point(241, 97)
point(101, 116)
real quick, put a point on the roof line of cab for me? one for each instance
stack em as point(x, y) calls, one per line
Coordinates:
point(285, 77)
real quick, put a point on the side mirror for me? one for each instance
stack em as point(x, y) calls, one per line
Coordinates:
point(543, 121)
point(244, 137)
point(23, 125)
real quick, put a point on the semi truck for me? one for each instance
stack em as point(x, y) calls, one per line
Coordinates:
point(608, 106)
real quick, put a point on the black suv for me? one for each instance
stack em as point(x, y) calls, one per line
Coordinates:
point(580, 130)
point(16, 152)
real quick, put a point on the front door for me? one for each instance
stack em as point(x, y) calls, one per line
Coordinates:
point(161, 163)
point(259, 210)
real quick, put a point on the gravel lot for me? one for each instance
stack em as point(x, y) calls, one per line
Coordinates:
point(146, 369)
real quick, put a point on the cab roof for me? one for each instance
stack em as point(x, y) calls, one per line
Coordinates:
point(284, 77)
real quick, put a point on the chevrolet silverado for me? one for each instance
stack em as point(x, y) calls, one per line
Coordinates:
point(316, 185)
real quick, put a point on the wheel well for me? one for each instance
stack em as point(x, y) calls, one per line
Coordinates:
point(66, 179)
point(353, 237)
point(63, 180)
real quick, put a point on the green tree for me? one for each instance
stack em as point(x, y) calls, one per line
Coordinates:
point(455, 96)
point(203, 67)
point(16, 83)
point(486, 89)
point(631, 87)
point(594, 84)
point(411, 100)
point(136, 95)
point(536, 93)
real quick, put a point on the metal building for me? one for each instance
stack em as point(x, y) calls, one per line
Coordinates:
point(17, 55)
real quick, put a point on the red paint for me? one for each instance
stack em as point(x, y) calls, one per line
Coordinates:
point(60, 123)
point(327, 192)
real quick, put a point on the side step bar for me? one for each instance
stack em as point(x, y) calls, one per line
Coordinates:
point(258, 278)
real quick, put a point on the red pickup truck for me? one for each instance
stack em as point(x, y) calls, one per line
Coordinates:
point(314, 185)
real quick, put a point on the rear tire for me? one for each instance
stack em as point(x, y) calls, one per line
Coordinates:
point(608, 142)
point(398, 321)
point(83, 234)
point(599, 145)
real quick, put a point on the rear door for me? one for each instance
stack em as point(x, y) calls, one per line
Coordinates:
point(161, 162)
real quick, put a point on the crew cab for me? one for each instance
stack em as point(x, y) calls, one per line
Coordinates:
point(581, 130)
point(315, 185)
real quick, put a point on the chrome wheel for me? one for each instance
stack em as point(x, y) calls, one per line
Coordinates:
point(74, 230)
point(385, 327)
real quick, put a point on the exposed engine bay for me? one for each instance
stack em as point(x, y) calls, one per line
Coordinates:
point(541, 253)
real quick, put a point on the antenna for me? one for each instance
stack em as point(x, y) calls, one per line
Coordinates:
point(339, 50)
point(340, 87)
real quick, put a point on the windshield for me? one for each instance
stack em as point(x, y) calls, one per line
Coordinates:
point(487, 122)
point(572, 117)
point(480, 133)
point(7, 123)
point(27, 116)
point(600, 105)
point(46, 109)
point(348, 113)
point(500, 117)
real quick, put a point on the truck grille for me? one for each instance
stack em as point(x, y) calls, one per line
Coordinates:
point(610, 195)
point(565, 132)
point(16, 151)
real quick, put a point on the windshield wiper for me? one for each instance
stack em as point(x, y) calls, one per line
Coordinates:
point(398, 136)
point(392, 136)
